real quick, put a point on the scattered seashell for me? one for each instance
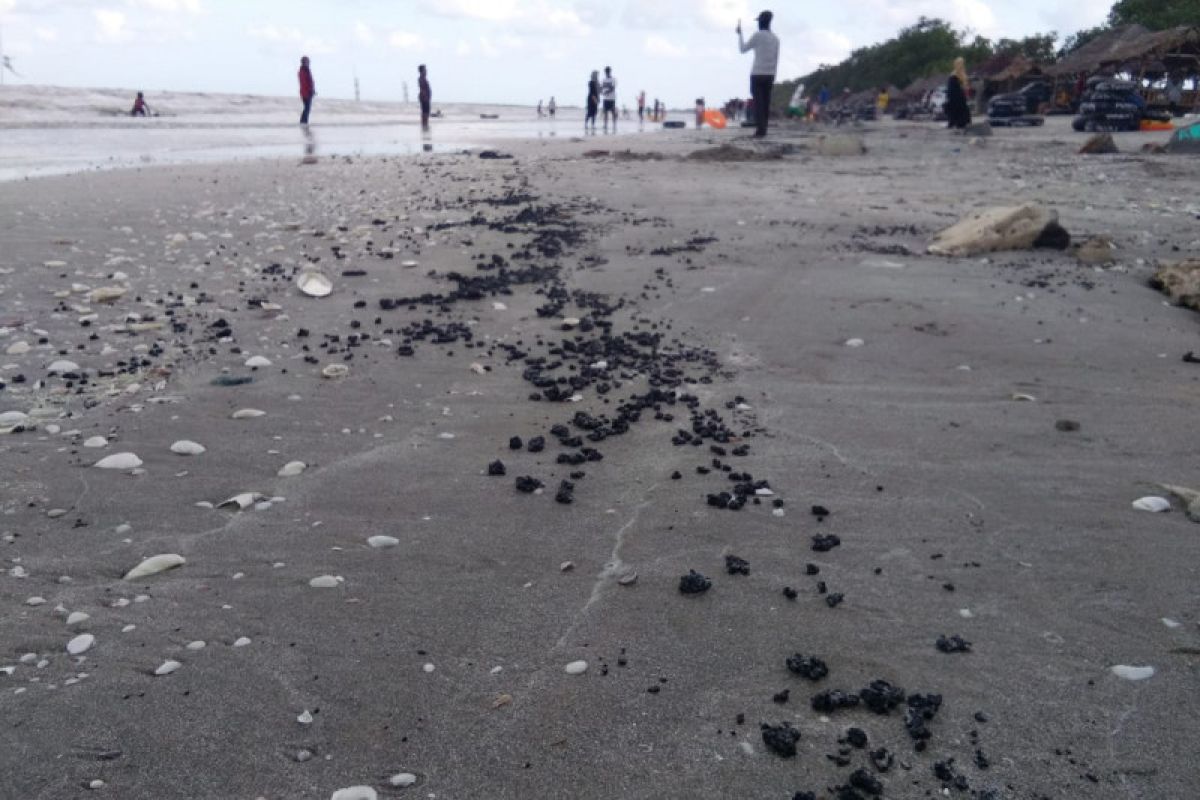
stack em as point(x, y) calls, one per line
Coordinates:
point(166, 668)
point(1154, 505)
point(1172, 624)
point(95, 443)
point(33, 602)
point(258, 361)
point(292, 469)
point(403, 780)
point(197, 645)
point(241, 501)
point(62, 366)
point(571, 322)
point(119, 461)
point(107, 294)
point(185, 447)
point(154, 565)
point(248, 413)
point(355, 793)
point(408, 264)
point(11, 419)
point(380, 542)
point(314, 284)
point(305, 718)
point(325, 582)
point(77, 618)
point(566, 566)
point(576, 668)
point(855, 343)
point(479, 369)
point(335, 371)
point(241, 641)
point(81, 644)
point(18, 349)
point(628, 579)
point(1024, 398)
point(1133, 673)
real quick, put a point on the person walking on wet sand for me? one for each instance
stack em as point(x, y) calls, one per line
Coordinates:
point(593, 101)
point(958, 109)
point(762, 75)
point(308, 89)
point(424, 95)
point(608, 93)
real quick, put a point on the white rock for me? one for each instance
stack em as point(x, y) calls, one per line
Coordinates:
point(119, 461)
point(155, 565)
point(63, 365)
point(1153, 504)
point(325, 582)
point(18, 349)
point(197, 645)
point(96, 443)
point(166, 668)
point(403, 780)
point(855, 343)
point(429, 668)
point(241, 641)
point(305, 718)
point(77, 618)
point(335, 371)
point(10, 419)
point(35, 601)
point(355, 793)
point(81, 644)
point(1133, 673)
point(248, 413)
point(258, 361)
point(576, 668)
point(97, 784)
point(186, 447)
point(292, 469)
point(241, 501)
point(379, 542)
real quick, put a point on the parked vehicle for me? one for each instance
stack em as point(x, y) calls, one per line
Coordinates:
point(1025, 101)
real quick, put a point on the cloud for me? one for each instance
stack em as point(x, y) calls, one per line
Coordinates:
point(530, 15)
point(168, 6)
point(658, 46)
point(46, 34)
point(404, 40)
point(364, 34)
point(289, 39)
point(110, 25)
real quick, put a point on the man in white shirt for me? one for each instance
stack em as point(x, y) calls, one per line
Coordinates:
point(766, 62)
point(608, 94)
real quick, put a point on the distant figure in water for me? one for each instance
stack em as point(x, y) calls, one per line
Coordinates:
point(308, 89)
point(608, 93)
point(140, 109)
point(958, 110)
point(540, 113)
point(593, 101)
point(553, 106)
point(424, 95)
point(642, 105)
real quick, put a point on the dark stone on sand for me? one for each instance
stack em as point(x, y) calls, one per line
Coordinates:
point(790, 593)
point(515, 443)
point(496, 469)
point(1067, 426)
point(565, 494)
point(834, 600)
point(953, 644)
point(694, 583)
point(948, 775)
point(856, 737)
point(804, 796)
point(528, 485)
point(922, 708)
point(782, 697)
point(1053, 237)
point(537, 444)
point(781, 739)
point(812, 569)
point(1191, 358)
point(810, 667)
point(823, 544)
point(737, 566)
point(231, 380)
point(882, 759)
point(494, 155)
point(866, 782)
point(820, 512)
point(881, 697)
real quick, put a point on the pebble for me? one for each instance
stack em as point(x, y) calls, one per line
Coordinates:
point(63, 366)
point(429, 668)
point(56, 513)
point(1155, 505)
point(96, 443)
point(186, 447)
point(241, 642)
point(96, 784)
point(325, 582)
point(576, 668)
point(248, 413)
point(119, 461)
point(292, 469)
point(1133, 673)
point(154, 565)
point(166, 668)
point(18, 348)
point(305, 718)
point(197, 645)
point(355, 793)
point(380, 542)
point(403, 780)
point(81, 644)
point(77, 618)
point(36, 601)
point(855, 343)
point(258, 361)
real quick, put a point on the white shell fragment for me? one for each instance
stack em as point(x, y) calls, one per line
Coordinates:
point(77, 618)
point(258, 361)
point(335, 371)
point(106, 294)
point(292, 469)
point(576, 668)
point(380, 542)
point(154, 565)
point(95, 443)
point(355, 793)
point(166, 668)
point(11, 419)
point(186, 447)
point(1154, 505)
point(81, 644)
point(1133, 673)
point(119, 461)
point(242, 501)
point(314, 284)
point(855, 343)
point(248, 413)
point(325, 582)
point(403, 780)
point(62, 366)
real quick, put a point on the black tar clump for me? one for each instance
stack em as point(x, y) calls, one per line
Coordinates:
point(866, 782)
point(832, 700)
point(809, 667)
point(953, 644)
point(781, 739)
point(528, 485)
point(823, 544)
point(737, 566)
point(881, 697)
point(694, 583)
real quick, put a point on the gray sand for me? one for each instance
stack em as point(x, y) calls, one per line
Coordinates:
point(935, 475)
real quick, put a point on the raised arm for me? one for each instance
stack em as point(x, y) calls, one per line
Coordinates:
point(747, 46)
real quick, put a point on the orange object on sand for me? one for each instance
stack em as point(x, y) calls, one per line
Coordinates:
point(1154, 125)
point(715, 119)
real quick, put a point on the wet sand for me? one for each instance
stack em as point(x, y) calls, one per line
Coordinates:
point(721, 295)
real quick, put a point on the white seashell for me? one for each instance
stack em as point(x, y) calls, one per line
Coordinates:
point(185, 447)
point(325, 582)
point(241, 641)
point(429, 668)
point(96, 443)
point(314, 284)
point(571, 322)
point(355, 793)
point(33, 602)
point(305, 718)
point(1172, 624)
point(576, 668)
point(11, 419)
point(1153, 504)
point(77, 618)
point(241, 501)
point(119, 461)
point(62, 366)
point(479, 369)
point(81, 644)
point(18, 349)
point(258, 361)
point(155, 565)
point(336, 371)
point(292, 469)
point(1133, 673)
point(1024, 398)
point(197, 645)
point(248, 413)
point(379, 542)
point(107, 294)
point(408, 264)
point(166, 668)
point(499, 307)
point(403, 780)
point(855, 343)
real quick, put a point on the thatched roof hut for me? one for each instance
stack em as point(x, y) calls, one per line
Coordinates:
point(1099, 52)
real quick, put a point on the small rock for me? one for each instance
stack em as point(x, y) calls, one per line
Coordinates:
point(325, 582)
point(403, 780)
point(576, 668)
point(120, 461)
point(258, 361)
point(95, 443)
point(185, 447)
point(1067, 426)
point(355, 793)
point(292, 469)
point(81, 644)
point(694, 583)
point(166, 668)
point(1133, 673)
point(380, 542)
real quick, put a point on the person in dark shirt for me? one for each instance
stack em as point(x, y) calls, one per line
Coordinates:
point(424, 95)
point(308, 89)
point(593, 101)
point(958, 108)
point(140, 109)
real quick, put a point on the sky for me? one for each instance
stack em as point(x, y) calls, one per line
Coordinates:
point(487, 51)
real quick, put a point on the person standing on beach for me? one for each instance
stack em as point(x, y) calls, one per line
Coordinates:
point(608, 93)
point(308, 89)
point(958, 109)
point(593, 101)
point(553, 106)
point(540, 114)
point(762, 75)
point(642, 106)
point(424, 95)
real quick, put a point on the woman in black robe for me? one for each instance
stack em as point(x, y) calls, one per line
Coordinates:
point(958, 109)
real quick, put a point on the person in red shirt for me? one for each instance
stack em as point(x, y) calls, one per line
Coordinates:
point(308, 89)
point(140, 108)
point(425, 95)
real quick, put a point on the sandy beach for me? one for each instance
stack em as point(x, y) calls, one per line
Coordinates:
point(927, 448)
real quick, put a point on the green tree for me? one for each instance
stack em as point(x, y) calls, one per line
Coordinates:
point(1155, 14)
